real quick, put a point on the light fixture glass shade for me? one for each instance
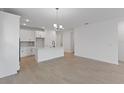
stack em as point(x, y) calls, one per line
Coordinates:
point(55, 25)
point(60, 26)
point(24, 24)
point(27, 20)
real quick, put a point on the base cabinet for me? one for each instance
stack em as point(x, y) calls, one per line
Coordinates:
point(27, 51)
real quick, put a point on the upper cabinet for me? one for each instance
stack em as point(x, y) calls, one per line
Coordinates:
point(40, 34)
point(27, 35)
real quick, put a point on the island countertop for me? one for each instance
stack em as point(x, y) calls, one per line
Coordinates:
point(47, 53)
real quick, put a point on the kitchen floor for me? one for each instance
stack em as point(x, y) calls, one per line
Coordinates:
point(68, 70)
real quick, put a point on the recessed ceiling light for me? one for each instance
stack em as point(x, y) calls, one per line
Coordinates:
point(24, 24)
point(27, 20)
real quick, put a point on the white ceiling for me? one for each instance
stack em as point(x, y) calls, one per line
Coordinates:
point(68, 17)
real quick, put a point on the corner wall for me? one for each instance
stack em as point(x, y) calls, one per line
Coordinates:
point(97, 41)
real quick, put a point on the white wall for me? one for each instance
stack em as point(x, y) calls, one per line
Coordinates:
point(121, 41)
point(49, 37)
point(97, 41)
point(9, 44)
point(59, 38)
point(68, 41)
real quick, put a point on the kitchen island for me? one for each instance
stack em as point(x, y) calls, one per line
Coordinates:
point(44, 54)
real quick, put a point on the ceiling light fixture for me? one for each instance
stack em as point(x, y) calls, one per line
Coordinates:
point(57, 27)
point(27, 20)
point(24, 24)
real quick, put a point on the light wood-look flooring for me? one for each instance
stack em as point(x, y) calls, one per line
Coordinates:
point(66, 70)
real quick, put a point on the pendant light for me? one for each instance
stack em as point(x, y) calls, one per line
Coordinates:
point(57, 26)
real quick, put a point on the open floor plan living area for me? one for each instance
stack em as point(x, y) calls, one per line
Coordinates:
point(61, 45)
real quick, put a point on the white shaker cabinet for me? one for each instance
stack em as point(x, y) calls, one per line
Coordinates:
point(27, 35)
point(27, 51)
point(40, 34)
